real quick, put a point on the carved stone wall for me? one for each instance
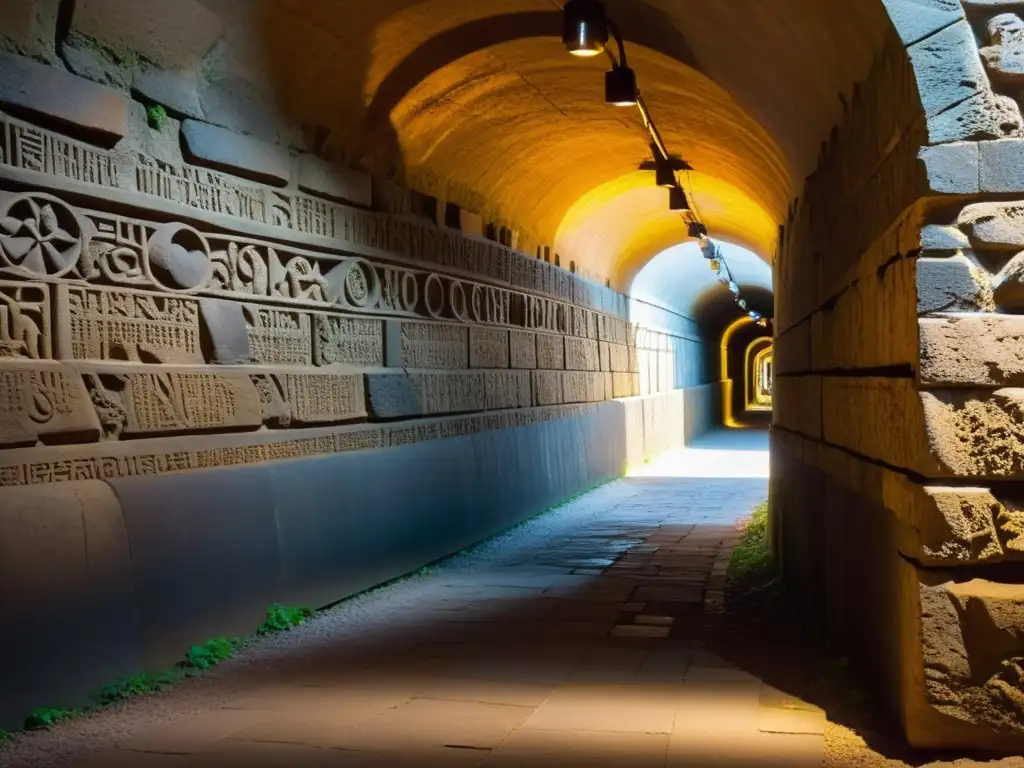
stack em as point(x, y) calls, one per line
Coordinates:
point(896, 459)
point(218, 353)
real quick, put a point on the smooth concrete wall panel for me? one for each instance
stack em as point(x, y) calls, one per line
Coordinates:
point(66, 596)
point(204, 555)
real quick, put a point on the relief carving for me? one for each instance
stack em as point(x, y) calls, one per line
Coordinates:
point(44, 404)
point(523, 349)
point(550, 351)
point(507, 389)
point(341, 340)
point(488, 348)
point(39, 236)
point(433, 345)
point(582, 354)
point(278, 336)
point(106, 324)
point(25, 321)
point(310, 398)
point(547, 387)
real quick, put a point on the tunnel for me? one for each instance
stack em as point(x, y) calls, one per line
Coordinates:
point(298, 297)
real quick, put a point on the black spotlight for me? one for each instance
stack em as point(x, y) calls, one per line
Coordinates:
point(664, 176)
point(677, 200)
point(586, 27)
point(696, 230)
point(620, 87)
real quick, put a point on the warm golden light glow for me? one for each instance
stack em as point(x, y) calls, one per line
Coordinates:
point(757, 391)
point(727, 414)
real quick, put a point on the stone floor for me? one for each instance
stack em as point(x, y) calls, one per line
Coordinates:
point(573, 640)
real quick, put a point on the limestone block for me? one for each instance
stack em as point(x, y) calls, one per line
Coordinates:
point(994, 225)
point(947, 67)
point(344, 340)
point(797, 404)
point(547, 387)
point(1002, 165)
point(985, 115)
point(1008, 285)
point(143, 401)
point(1004, 57)
point(973, 653)
point(976, 433)
point(48, 403)
point(792, 353)
point(488, 347)
point(172, 35)
point(84, 58)
point(176, 91)
point(240, 107)
point(550, 351)
point(279, 336)
point(940, 238)
point(952, 168)
point(96, 110)
point(507, 389)
point(97, 323)
point(310, 398)
point(398, 395)
point(980, 350)
point(582, 354)
point(31, 27)
point(428, 345)
point(320, 177)
point(523, 349)
point(27, 328)
point(471, 223)
point(952, 285)
point(251, 158)
point(224, 322)
point(916, 19)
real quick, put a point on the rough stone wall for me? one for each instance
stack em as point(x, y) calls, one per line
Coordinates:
point(897, 425)
point(232, 373)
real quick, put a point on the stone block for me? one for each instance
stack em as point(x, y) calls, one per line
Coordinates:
point(1008, 285)
point(974, 433)
point(245, 156)
point(952, 285)
point(238, 106)
point(175, 35)
point(305, 399)
point(1004, 56)
point(1002, 166)
point(981, 350)
point(85, 59)
point(226, 330)
point(523, 349)
point(798, 405)
point(985, 115)
point(44, 402)
point(947, 68)
point(425, 345)
point(337, 339)
point(320, 177)
point(83, 106)
point(488, 347)
point(402, 395)
point(176, 91)
point(952, 168)
point(939, 238)
point(30, 27)
point(916, 19)
point(997, 226)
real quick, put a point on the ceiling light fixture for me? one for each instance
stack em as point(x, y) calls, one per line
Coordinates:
point(585, 33)
point(620, 87)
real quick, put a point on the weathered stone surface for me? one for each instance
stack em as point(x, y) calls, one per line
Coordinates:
point(428, 345)
point(176, 91)
point(994, 225)
point(88, 61)
point(55, 94)
point(965, 525)
point(179, 257)
point(952, 285)
point(973, 635)
point(30, 28)
point(320, 177)
point(238, 106)
point(310, 398)
point(1002, 165)
point(947, 67)
point(975, 433)
point(226, 329)
point(916, 19)
point(1008, 285)
point(220, 148)
point(986, 115)
point(488, 347)
point(172, 35)
point(982, 350)
point(523, 349)
point(938, 238)
point(44, 402)
point(952, 168)
point(397, 395)
point(1004, 57)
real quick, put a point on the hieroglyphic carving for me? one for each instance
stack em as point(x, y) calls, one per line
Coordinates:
point(615, 357)
point(170, 402)
point(340, 340)
point(547, 387)
point(310, 398)
point(435, 345)
point(507, 389)
point(28, 148)
point(550, 351)
point(257, 269)
point(25, 321)
point(582, 354)
point(449, 392)
point(278, 337)
point(523, 349)
point(38, 403)
point(488, 348)
point(582, 387)
point(103, 324)
point(201, 189)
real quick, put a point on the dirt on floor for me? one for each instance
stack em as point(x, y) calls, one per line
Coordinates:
point(764, 633)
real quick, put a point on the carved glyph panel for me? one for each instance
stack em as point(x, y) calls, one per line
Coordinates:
point(310, 398)
point(44, 403)
point(435, 345)
point(25, 317)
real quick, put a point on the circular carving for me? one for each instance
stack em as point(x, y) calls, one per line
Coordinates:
point(178, 258)
point(433, 293)
point(457, 300)
point(410, 292)
point(41, 235)
point(476, 303)
point(360, 284)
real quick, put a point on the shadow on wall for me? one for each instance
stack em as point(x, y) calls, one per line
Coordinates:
point(133, 577)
